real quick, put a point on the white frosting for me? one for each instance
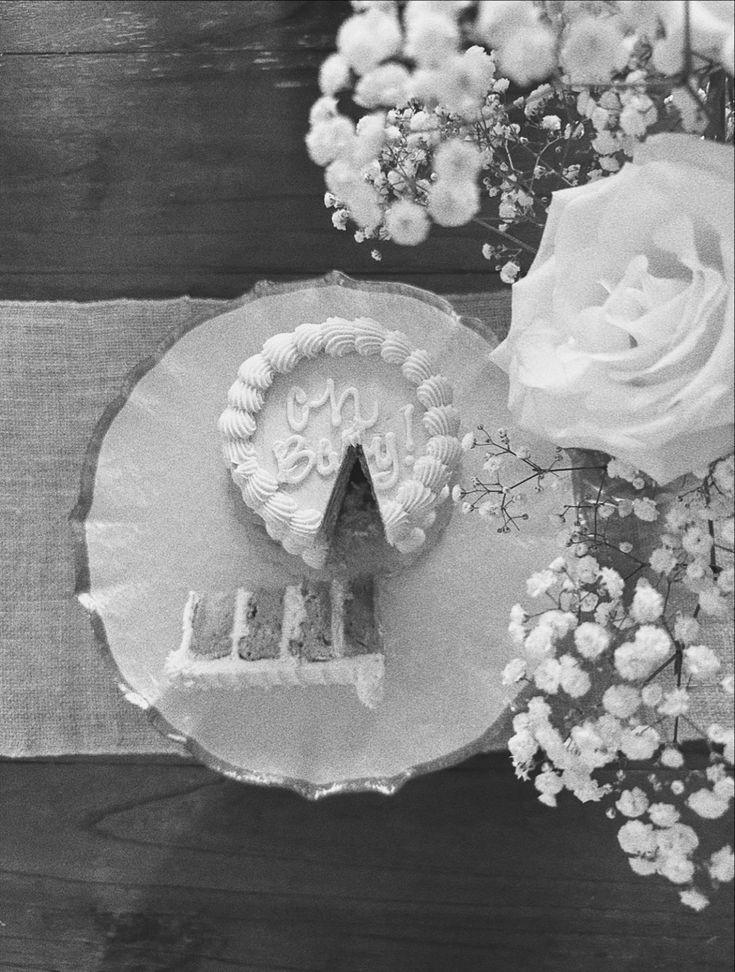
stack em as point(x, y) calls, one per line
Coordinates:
point(319, 389)
point(363, 672)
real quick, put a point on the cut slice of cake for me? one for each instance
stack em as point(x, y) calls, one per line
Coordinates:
point(312, 633)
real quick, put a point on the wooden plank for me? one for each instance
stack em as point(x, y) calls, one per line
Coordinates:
point(160, 173)
point(131, 865)
point(81, 26)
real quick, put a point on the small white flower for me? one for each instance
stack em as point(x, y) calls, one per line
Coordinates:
point(366, 39)
point(452, 203)
point(678, 870)
point(540, 582)
point(693, 899)
point(383, 86)
point(323, 109)
point(547, 675)
point(522, 746)
point(712, 602)
point(548, 782)
point(724, 788)
point(551, 123)
point(572, 678)
point(468, 441)
point(431, 37)
point(527, 54)
point(632, 803)
point(612, 582)
point(647, 604)
point(679, 840)
point(560, 622)
point(509, 272)
point(594, 49)
point(707, 804)
point(645, 509)
point(340, 218)
point(672, 758)
point(457, 161)
point(700, 661)
point(637, 838)
point(587, 569)
point(513, 671)
point(517, 614)
point(663, 814)
point(662, 561)
point(726, 580)
point(639, 658)
point(517, 632)
point(686, 629)
point(697, 542)
point(539, 644)
point(651, 694)
point(457, 493)
point(640, 743)
point(621, 700)
point(407, 223)
point(642, 865)
point(326, 140)
point(334, 74)
point(722, 864)
point(635, 121)
point(674, 703)
point(591, 640)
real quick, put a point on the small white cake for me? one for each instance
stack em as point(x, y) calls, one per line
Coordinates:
point(314, 400)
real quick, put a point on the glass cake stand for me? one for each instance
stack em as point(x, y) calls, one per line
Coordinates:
point(158, 518)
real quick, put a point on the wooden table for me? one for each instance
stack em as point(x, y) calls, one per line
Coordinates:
point(155, 149)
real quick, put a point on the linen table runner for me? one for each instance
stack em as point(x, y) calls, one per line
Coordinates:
point(61, 365)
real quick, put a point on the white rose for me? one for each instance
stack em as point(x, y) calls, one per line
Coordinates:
point(622, 331)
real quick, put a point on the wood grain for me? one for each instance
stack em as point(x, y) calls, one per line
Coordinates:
point(122, 865)
point(155, 149)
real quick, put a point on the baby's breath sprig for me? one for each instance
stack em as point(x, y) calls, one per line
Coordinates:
point(615, 660)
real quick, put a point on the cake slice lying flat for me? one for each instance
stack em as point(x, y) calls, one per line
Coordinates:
point(313, 633)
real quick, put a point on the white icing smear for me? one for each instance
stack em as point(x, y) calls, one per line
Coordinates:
point(363, 672)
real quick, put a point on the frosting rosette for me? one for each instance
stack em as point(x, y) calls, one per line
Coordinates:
point(622, 332)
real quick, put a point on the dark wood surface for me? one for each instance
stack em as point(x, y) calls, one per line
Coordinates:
point(158, 865)
point(154, 149)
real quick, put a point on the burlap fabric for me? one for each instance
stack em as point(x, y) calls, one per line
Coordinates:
point(61, 365)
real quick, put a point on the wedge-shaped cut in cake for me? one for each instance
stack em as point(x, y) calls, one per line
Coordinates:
point(310, 402)
point(313, 633)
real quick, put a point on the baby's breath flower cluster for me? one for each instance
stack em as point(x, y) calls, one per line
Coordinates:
point(614, 652)
point(449, 137)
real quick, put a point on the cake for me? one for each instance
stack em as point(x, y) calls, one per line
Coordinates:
point(311, 633)
point(313, 402)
